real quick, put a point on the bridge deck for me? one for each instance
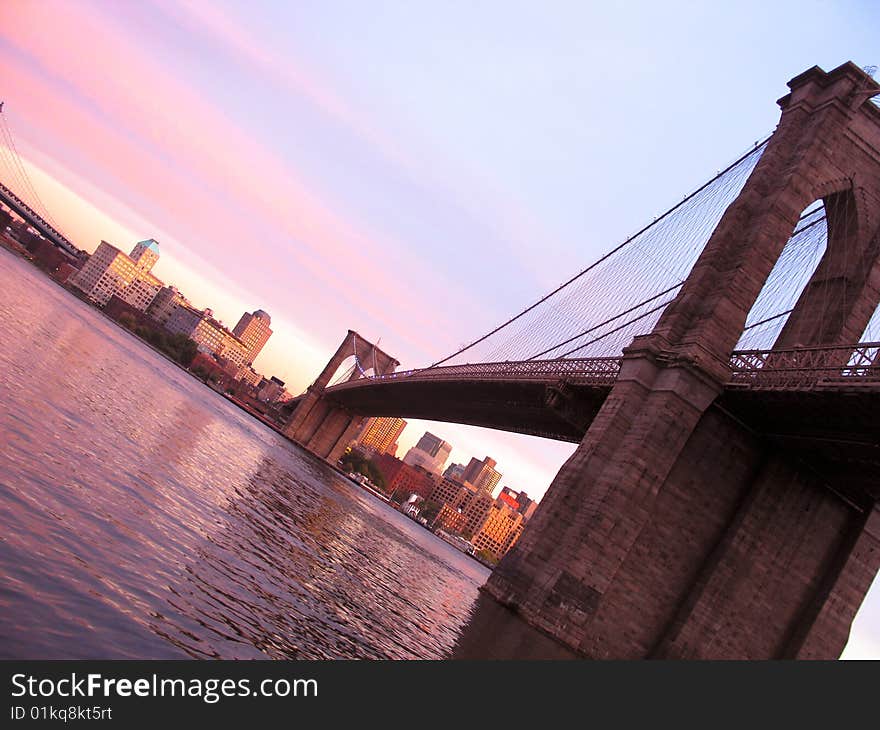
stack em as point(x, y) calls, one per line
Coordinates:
point(558, 399)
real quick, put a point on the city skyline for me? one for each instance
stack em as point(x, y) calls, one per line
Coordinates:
point(126, 164)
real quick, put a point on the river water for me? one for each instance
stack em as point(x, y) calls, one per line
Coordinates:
point(144, 516)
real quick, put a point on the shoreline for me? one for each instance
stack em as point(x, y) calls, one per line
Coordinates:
point(241, 406)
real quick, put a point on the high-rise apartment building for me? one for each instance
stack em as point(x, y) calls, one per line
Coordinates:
point(482, 474)
point(211, 336)
point(254, 331)
point(164, 304)
point(499, 530)
point(491, 525)
point(380, 434)
point(519, 501)
point(430, 453)
point(145, 254)
point(455, 472)
point(110, 272)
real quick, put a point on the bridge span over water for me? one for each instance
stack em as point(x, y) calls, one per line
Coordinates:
point(719, 373)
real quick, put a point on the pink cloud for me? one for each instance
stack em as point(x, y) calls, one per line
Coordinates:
point(176, 122)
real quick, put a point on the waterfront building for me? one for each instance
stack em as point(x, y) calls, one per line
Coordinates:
point(430, 453)
point(248, 375)
point(451, 492)
point(476, 509)
point(109, 271)
point(498, 531)
point(492, 525)
point(482, 474)
point(254, 331)
point(165, 303)
point(209, 334)
point(448, 518)
point(455, 472)
point(271, 390)
point(380, 434)
point(409, 480)
point(141, 292)
point(145, 254)
point(387, 464)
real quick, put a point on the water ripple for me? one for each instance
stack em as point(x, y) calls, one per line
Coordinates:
point(143, 517)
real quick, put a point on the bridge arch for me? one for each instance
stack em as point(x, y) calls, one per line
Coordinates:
point(352, 368)
point(812, 294)
point(826, 147)
point(837, 302)
point(601, 566)
point(319, 423)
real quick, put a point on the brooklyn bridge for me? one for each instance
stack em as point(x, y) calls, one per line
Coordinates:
point(720, 373)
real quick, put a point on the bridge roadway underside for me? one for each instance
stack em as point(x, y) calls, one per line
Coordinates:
point(534, 407)
point(834, 428)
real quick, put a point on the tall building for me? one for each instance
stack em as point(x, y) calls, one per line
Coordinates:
point(141, 292)
point(492, 525)
point(477, 508)
point(509, 496)
point(145, 254)
point(430, 453)
point(527, 506)
point(519, 501)
point(380, 434)
point(450, 492)
point(254, 331)
point(454, 472)
point(482, 474)
point(210, 336)
point(498, 531)
point(435, 446)
point(164, 304)
point(109, 271)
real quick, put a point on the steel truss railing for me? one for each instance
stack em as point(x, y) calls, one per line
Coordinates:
point(589, 371)
point(806, 366)
point(35, 219)
point(791, 368)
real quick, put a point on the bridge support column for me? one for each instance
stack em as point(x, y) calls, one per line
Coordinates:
point(742, 553)
point(785, 579)
point(675, 529)
point(318, 423)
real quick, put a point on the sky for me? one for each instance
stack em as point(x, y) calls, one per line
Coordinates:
point(413, 171)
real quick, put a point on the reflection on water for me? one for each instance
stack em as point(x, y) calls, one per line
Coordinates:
point(142, 516)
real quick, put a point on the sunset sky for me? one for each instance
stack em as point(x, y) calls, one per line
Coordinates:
point(414, 171)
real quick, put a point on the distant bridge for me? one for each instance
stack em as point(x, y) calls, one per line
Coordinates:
point(36, 221)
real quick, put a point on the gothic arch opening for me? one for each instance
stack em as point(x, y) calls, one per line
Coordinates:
point(348, 370)
point(809, 297)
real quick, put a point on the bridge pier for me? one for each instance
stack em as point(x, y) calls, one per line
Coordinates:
point(318, 423)
point(676, 529)
point(742, 553)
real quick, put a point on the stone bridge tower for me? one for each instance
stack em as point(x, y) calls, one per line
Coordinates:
point(676, 529)
point(323, 426)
